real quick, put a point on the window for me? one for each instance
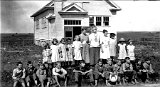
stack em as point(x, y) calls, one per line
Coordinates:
point(91, 21)
point(44, 22)
point(37, 24)
point(72, 22)
point(106, 21)
point(98, 21)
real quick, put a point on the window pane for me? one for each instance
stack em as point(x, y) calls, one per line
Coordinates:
point(68, 34)
point(106, 19)
point(98, 19)
point(106, 23)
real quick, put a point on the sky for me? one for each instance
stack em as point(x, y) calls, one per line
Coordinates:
point(134, 16)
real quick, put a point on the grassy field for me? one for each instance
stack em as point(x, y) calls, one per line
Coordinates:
point(33, 53)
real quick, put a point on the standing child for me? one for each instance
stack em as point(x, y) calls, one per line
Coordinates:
point(77, 50)
point(19, 75)
point(41, 74)
point(69, 51)
point(94, 39)
point(84, 38)
point(46, 53)
point(54, 51)
point(122, 49)
point(112, 44)
point(130, 52)
point(104, 41)
point(62, 52)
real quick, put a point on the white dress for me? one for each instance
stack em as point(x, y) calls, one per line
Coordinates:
point(112, 47)
point(77, 50)
point(63, 53)
point(122, 51)
point(104, 41)
point(46, 55)
point(130, 49)
point(69, 53)
point(55, 54)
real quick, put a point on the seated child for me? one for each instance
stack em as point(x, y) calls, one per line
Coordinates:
point(108, 69)
point(59, 74)
point(128, 70)
point(48, 67)
point(41, 74)
point(19, 75)
point(139, 70)
point(83, 71)
point(98, 71)
point(147, 67)
point(118, 70)
point(31, 77)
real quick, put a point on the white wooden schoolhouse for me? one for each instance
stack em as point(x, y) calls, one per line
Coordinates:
point(65, 18)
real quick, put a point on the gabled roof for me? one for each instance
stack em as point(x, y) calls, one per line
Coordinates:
point(113, 5)
point(73, 8)
point(49, 6)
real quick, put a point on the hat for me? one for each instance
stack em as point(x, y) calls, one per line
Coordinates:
point(121, 39)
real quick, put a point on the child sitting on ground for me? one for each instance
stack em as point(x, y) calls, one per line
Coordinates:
point(59, 74)
point(31, 77)
point(19, 75)
point(41, 74)
point(99, 71)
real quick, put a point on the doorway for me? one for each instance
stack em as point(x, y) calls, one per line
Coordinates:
point(72, 31)
point(76, 31)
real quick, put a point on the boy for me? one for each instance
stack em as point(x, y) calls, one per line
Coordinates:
point(118, 70)
point(99, 71)
point(41, 74)
point(83, 70)
point(108, 69)
point(59, 74)
point(148, 69)
point(94, 40)
point(19, 75)
point(48, 67)
point(31, 74)
point(128, 70)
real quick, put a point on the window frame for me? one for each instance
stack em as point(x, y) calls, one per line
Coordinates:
point(105, 20)
point(72, 22)
point(99, 20)
point(44, 22)
point(37, 24)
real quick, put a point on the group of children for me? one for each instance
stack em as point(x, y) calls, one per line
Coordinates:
point(117, 71)
point(41, 76)
point(93, 55)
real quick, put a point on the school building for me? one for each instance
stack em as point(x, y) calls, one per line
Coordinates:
point(65, 18)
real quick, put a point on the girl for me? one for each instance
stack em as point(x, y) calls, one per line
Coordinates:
point(54, 51)
point(69, 51)
point(62, 52)
point(104, 41)
point(77, 50)
point(46, 53)
point(130, 50)
point(122, 49)
point(112, 45)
